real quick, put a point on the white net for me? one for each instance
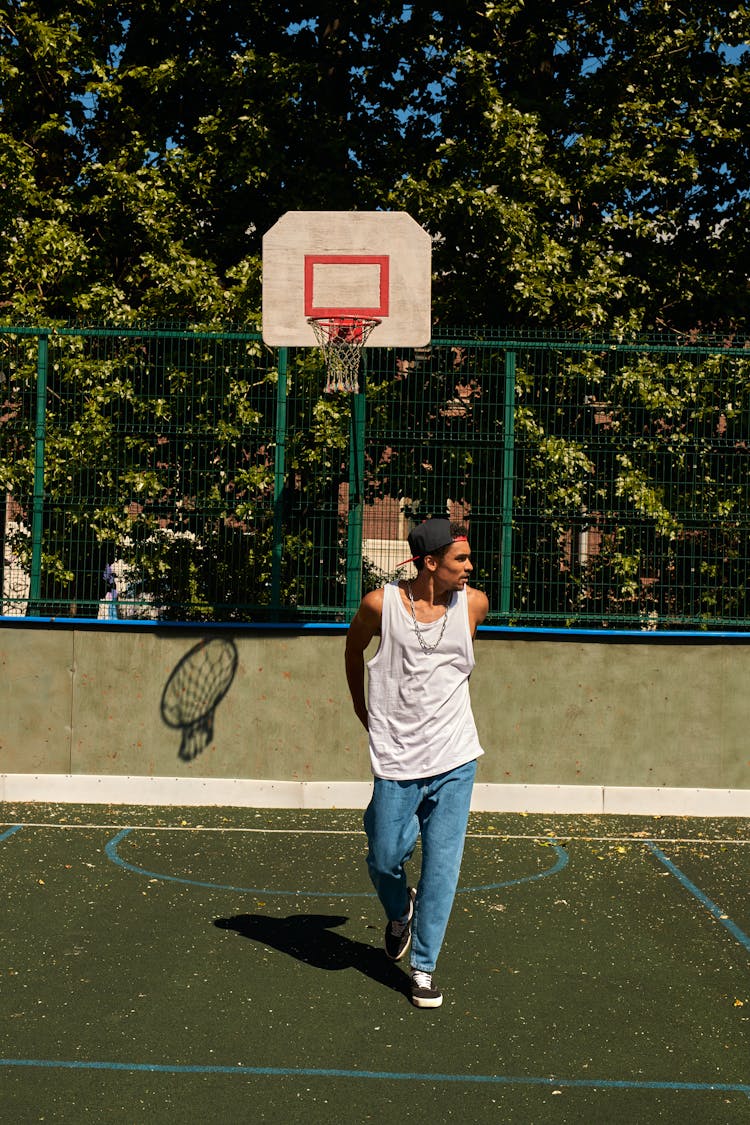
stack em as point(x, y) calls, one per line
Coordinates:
point(341, 340)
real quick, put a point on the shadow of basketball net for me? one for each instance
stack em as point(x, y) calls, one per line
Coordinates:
point(194, 690)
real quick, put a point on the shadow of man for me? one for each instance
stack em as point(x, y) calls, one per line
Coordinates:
point(308, 937)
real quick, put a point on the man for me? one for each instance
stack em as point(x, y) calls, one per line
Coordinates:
point(422, 738)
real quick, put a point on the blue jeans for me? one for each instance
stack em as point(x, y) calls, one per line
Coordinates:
point(438, 807)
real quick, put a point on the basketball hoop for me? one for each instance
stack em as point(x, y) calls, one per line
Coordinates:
point(341, 339)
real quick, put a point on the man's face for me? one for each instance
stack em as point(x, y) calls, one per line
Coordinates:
point(454, 567)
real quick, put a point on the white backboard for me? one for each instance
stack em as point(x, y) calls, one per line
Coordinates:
point(347, 263)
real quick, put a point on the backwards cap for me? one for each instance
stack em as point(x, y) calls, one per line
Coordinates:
point(431, 536)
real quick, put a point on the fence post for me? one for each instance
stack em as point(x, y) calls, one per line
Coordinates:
point(506, 543)
point(37, 509)
point(279, 472)
point(356, 502)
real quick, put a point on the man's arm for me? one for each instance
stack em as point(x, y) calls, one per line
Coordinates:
point(364, 626)
point(479, 607)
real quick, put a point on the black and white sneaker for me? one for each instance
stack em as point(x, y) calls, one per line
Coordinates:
point(424, 993)
point(398, 933)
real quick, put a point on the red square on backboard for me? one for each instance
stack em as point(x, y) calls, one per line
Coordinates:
point(347, 285)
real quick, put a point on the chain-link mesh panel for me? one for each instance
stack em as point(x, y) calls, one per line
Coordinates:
point(188, 476)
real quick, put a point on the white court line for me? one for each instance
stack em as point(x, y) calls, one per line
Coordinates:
point(551, 838)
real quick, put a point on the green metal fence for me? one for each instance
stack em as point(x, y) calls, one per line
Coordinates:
point(199, 476)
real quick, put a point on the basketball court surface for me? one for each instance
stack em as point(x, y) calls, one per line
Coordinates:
point(227, 965)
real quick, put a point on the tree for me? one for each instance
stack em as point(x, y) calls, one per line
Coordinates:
point(589, 165)
point(581, 168)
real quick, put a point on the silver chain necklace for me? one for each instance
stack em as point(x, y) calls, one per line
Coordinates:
point(422, 642)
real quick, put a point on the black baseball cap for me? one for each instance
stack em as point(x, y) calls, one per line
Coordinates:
point(431, 536)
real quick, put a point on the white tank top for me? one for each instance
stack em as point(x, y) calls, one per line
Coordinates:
point(419, 713)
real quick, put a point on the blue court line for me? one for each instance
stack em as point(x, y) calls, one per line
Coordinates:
point(113, 855)
point(719, 914)
point(391, 1076)
point(561, 862)
point(10, 832)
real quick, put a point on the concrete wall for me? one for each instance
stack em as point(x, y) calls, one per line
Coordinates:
point(553, 710)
